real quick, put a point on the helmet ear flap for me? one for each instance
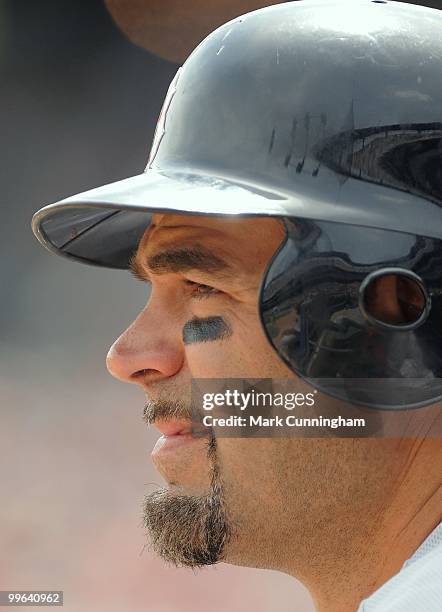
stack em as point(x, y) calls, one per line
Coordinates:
point(355, 310)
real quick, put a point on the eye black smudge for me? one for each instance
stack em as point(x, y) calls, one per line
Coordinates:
point(206, 330)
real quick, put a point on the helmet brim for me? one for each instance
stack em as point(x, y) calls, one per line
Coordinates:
point(103, 226)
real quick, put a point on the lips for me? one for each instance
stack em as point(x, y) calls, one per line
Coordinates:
point(175, 435)
point(181, 456)
point(173, 428)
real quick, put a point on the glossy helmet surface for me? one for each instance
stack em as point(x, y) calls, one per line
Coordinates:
point(328, 115)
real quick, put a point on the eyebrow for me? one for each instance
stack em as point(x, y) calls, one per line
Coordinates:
point(180, 260)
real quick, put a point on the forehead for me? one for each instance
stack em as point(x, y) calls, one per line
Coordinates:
point(238, 247)
point(228, 233)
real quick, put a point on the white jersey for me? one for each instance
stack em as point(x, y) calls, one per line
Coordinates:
point(418, 585)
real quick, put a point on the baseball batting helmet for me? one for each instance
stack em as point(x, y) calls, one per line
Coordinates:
point(326, 114)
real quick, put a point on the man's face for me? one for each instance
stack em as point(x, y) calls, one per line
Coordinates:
point(201, 321)
point(247, 501)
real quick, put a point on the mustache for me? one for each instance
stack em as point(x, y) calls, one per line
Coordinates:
point(166, 410)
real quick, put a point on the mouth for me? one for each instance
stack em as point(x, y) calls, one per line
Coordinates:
point(175, 435)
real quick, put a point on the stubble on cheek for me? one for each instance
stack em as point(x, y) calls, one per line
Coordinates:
point(254, 489)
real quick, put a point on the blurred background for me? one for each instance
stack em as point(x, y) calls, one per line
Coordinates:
point(82, 83)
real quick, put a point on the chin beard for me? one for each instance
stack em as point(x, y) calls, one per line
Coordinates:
point(187, 530)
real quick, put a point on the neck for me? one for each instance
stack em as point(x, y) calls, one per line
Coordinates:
point(365, 551)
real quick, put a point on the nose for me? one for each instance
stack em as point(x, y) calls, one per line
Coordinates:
point(148, 351)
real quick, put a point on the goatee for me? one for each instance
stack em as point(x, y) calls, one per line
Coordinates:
point(187, 530)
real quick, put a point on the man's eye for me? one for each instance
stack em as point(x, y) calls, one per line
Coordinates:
point(198, 290)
